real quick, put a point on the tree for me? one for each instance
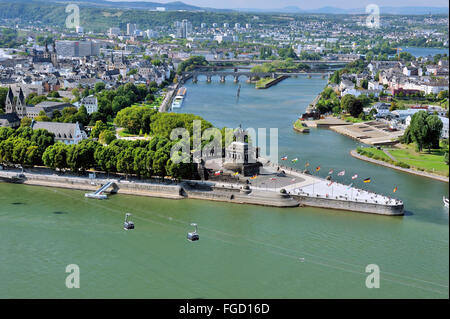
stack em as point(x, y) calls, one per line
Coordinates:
point(355, 108)
point(81, 156)
point(3, 93)
point(42, 117)
point(125, 161)
point(434, 128)
point(76, 93)
point(25, 122)
point(98, 128)
point(425, 130)
point(136, 119)
point(55, 156)
point(99, 86)
point(107, 136)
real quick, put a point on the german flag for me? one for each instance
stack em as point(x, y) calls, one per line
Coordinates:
point(367, 180)
point(317, 168)
point(395, 189)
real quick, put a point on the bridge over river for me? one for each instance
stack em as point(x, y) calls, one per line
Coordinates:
point(237, 74)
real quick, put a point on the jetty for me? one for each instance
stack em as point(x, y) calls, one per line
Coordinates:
point(99, 194)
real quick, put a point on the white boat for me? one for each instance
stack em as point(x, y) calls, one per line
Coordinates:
point(445, 200)
point(179, 98)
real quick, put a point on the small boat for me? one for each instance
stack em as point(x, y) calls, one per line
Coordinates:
point(445, 200)
point(193, 236)
point(128, 224)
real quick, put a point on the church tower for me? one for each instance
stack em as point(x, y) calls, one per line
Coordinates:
point(54, 55)
point(10, 105)
point(46, 53)
point(21, 107)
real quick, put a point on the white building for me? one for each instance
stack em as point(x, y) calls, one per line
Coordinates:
point(444, 132)
point(90, 103)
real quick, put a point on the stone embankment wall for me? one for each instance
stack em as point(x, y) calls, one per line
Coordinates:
point(224, 194)
point(322, 202)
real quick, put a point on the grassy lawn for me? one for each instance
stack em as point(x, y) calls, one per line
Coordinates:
point(431, 162)
point(154, 104)
point(378, 153)
point(125, 133)
point(404, 104)
point(352, 119)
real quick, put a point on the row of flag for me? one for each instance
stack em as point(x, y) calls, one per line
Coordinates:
point(341, 173)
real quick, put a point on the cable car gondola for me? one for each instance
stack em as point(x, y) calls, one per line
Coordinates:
point(193, 236)
point(128, 224)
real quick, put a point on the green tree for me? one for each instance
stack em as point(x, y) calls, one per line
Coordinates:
point(107, 136)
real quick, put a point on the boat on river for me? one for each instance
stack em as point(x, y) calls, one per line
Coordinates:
point(179, 98)
point(445, 200)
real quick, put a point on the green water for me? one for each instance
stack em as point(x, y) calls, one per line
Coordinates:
point(245, 251)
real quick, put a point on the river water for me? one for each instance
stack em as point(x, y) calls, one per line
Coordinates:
point(244, 251)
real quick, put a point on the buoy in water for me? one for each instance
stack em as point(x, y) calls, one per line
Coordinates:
point(193, 236)
point(128, 224)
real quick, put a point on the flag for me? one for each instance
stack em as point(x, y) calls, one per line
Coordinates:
point(350, 186)
point(342, 173)
point(284, 158)
point(355, 176)
point(235, 174)
point(217, 173)
point(367, 180)
point(307, 164)
point(295, 160)
point(253, 177)
point(330, 172)
point(395, 189)
point(317, 168)
point(330, 183)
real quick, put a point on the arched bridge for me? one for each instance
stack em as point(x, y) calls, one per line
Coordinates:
point(236, 75)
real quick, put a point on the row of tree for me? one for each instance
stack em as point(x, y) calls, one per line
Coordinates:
point(29, 147)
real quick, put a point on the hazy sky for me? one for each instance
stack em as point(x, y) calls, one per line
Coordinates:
point(267, 4)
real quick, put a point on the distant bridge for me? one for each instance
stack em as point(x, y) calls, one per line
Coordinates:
point(237, 74)
point(308, 62)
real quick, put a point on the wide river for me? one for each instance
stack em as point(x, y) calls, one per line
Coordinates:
point(244, 251)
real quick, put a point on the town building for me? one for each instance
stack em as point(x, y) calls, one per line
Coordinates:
point(67, 133)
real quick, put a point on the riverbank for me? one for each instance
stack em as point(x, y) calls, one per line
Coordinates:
point(406, 170)
point(293, 194)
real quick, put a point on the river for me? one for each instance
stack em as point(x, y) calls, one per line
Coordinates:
point(423, 52)
point(244, 251)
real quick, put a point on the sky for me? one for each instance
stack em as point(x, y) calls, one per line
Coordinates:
point(270, 4)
